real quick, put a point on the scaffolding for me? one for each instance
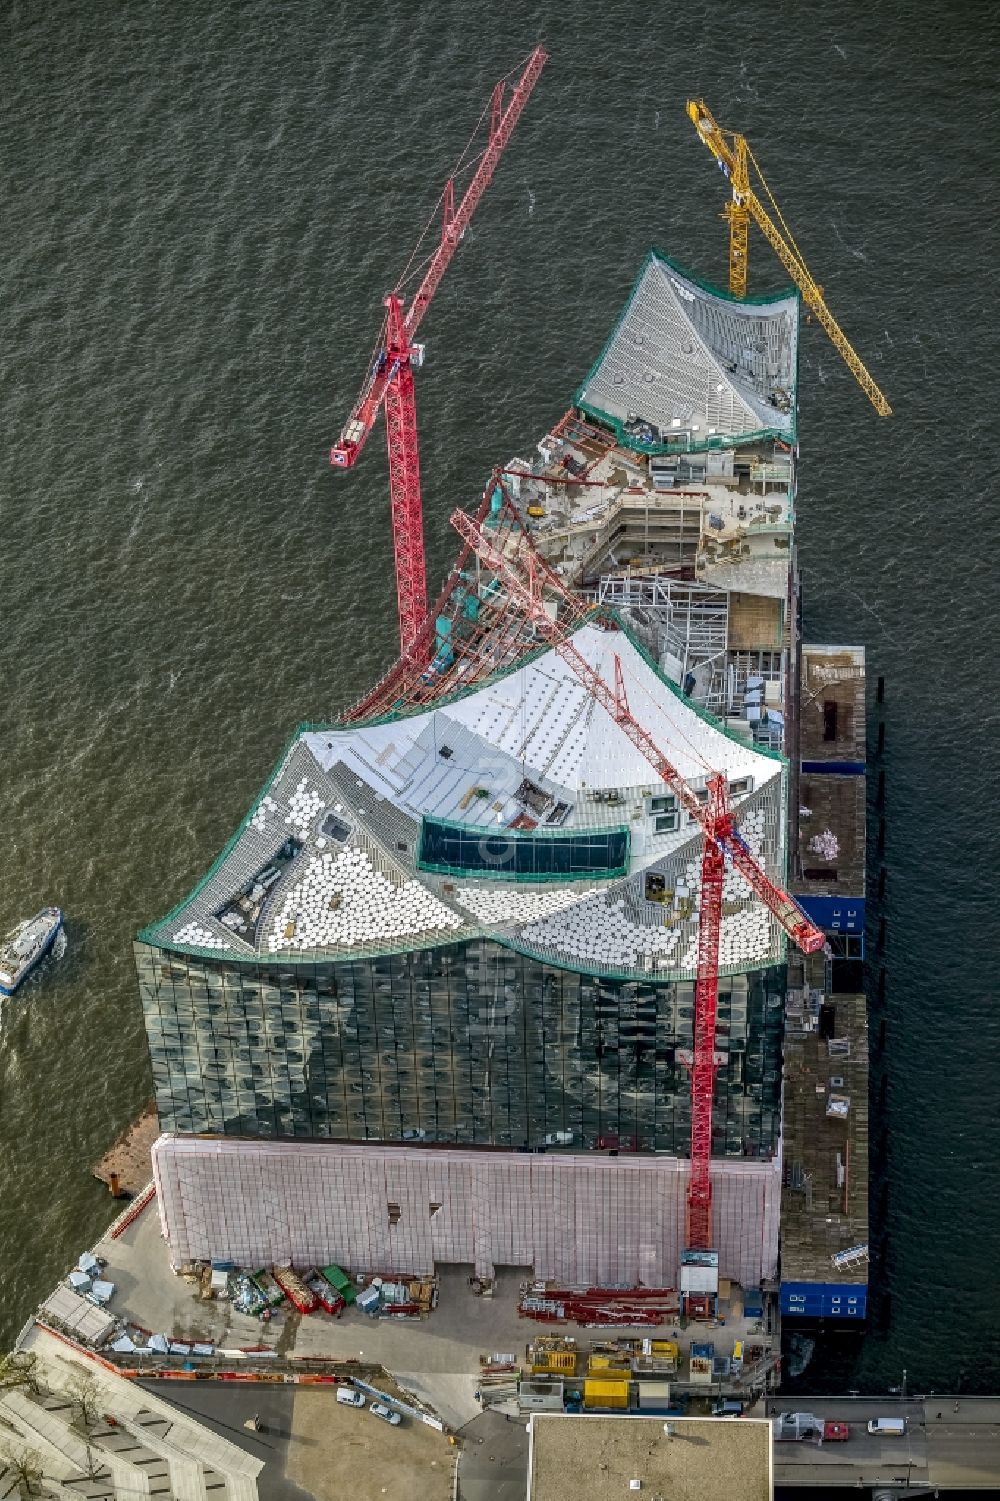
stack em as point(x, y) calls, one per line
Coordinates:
point(473, 632)
point(686, 625)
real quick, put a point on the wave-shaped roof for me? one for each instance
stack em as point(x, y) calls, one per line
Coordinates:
point(519, 810)
point(690, 366)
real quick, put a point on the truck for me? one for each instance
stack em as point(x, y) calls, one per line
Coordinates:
point(887, 1427)
point(792, 1427)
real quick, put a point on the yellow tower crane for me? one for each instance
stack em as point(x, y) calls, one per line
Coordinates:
point(735, 157)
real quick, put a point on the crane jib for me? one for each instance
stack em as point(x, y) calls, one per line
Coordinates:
point(721, 832)
point(394, 390)
point(732, 163)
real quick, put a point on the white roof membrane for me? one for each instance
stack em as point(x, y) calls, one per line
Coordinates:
point(327, 864)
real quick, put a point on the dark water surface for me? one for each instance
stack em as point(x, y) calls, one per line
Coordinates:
point(202, 206)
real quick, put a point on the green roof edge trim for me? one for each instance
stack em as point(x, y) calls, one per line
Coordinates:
point(709, 444)
point(146, 934)
point(289, 960)
point(791, 290)
point(292, 959)
point(631, 976)
point(703, 714)
point(505, 672)
point(397, 715)
point(654, 253)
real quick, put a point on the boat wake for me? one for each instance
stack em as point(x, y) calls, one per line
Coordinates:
point(800, 1352)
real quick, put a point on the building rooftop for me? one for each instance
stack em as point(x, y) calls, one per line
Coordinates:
point(688, 366)
point(832, 785)
point(600, 1458)
point(518, 808)
point(824, 1200)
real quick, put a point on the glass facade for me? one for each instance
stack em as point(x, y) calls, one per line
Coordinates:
point(513, 855)
point(468, 1044)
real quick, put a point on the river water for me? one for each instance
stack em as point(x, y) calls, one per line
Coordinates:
point(202, 207)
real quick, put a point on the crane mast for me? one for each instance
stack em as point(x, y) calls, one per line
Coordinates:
point(523, 573)
point(733, 156)
point(389, 380)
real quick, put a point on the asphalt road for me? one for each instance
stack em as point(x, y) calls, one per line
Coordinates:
point(494, 1462)
point(951, 1442)
point(862, 1451)
point(226, 1405)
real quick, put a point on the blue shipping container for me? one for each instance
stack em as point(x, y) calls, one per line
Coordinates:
point(824, 1300)
point(835, 914)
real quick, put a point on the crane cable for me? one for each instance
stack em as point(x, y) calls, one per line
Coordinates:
point(410, 272)
point(460, 166)
point(781, 218)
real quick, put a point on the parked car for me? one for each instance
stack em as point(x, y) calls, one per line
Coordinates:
point(385, 1413)
point(350, 1397)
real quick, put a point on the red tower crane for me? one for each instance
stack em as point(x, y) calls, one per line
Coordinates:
point(523, 573)
point(390, 376)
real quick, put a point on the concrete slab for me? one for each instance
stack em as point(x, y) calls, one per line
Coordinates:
point(150, 1295)
point(225, 1409)
point(436, 1357)
point(449, 1395)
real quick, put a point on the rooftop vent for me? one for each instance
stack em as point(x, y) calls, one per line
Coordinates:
point(333, 827)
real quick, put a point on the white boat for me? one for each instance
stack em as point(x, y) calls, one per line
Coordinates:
point(22, 949)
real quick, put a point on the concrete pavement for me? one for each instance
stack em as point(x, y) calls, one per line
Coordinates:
point(493, 1465)
point(225, 1408)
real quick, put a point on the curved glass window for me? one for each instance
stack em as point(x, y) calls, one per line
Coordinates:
point(518, 855)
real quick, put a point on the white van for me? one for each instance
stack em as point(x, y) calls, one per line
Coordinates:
point(887, 1427)
point(349, 1396)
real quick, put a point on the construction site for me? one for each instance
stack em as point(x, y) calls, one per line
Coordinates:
point(509, 968)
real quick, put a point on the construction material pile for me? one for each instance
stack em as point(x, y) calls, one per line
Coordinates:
point(499, 1375)
point(598, 1307)
point(386, 1297)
